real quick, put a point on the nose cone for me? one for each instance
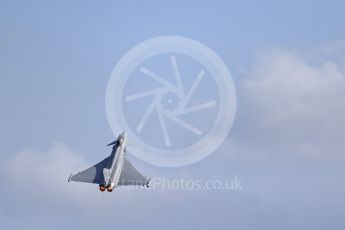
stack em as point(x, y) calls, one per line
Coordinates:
point(124, 134)
point(122, 137)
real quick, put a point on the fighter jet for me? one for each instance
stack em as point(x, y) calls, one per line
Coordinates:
point(113, 171)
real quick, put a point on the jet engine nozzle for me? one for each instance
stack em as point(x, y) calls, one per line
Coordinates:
point(102, 188)
point(110, 187)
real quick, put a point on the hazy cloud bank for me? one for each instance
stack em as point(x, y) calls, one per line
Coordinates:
point(291, 109)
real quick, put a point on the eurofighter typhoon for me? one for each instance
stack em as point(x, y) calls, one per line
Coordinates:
point(113, 171)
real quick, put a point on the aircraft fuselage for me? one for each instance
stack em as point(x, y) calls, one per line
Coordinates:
point(115, 164)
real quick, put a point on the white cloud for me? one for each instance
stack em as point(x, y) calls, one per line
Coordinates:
point(292, 104)
point(42, 176)
point(35, 189)
point(288, 87)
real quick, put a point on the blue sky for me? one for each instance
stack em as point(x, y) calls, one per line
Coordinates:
point(287, 59)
